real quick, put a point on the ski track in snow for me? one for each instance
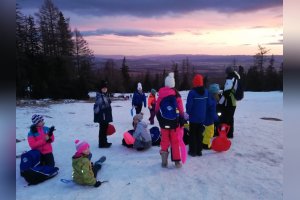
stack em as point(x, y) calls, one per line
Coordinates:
point(251, 169)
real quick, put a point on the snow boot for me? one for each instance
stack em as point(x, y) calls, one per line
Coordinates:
point(178, 164)
point(164, 158)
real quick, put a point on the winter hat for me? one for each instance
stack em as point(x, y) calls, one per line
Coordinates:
point(198, 80)
point(214, 88)
point(229, 70)
point(37, 119)
point(81, 146)
point(103, 84)
point(170, 81)
point(139, 87)
point(153, 91)
point(138, 117)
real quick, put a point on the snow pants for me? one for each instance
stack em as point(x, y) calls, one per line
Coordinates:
point(208, 134)
point(169, 137)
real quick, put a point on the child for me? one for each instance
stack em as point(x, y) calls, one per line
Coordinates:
point(170, 136)
point(211, 116)
point(103, 114)
point(40, 138)
point(196, 107)
point(138, 99)
point(84, 172)
point(141, 137)
point(151, 105)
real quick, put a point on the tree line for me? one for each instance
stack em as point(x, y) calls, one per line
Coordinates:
point(53, 61)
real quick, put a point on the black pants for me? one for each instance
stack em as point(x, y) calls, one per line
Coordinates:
point(47, 159)
point(195, 138)
point(228, 118)
point(138, 109)
point(152, 115)
point(102, 133)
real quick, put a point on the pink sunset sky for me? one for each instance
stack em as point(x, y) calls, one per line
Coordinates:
point(188, 27)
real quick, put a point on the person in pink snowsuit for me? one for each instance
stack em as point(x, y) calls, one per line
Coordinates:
point(169, 137)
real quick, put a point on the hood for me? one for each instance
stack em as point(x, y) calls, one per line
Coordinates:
point(166, 91)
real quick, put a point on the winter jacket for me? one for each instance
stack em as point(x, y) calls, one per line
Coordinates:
point(82, 171)
point(151, 101)
point(164, 92)
point(211, 113)
point(138, 99)
point(228, 98)
point(197, 104)
point(102, 108)
point(142, 136)
point(37, 140)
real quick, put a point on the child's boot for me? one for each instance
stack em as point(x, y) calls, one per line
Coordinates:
point(178, 164)
point(164, 158)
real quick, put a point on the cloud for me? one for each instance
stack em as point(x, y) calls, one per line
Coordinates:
point(151, 8)
point(279, 42)
point(258, 27)
point(126, 33)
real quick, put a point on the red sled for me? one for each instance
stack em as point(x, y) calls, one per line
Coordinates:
point(221, 142)
point(110, 129)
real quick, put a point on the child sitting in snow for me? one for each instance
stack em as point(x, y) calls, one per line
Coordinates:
point(84, 171)
point(140, 138)
point(40, 138)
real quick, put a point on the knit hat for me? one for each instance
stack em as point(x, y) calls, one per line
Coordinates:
point(153, 91)
point(138, 117)
point(37, 119)
point(139, 87)
point(81, 146)
point(229, 70)
point(198, 80)
point(214, 88)
point(170, 81)
point(103, 84)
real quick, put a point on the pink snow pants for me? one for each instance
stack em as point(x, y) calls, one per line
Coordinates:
point(169, 137)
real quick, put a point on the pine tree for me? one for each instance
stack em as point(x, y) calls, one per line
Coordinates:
point(48, 17)
point(125, 75)
point(65, 42)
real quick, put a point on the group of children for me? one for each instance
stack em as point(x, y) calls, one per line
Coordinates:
point(200, 112)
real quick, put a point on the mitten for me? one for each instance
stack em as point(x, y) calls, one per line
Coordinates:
point(50, 133)
point(97, 184)
point(33, 129)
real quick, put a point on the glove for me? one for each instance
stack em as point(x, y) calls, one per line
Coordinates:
point(97, 184)
point(33, 129)
point(50, 133)
point(49, 140)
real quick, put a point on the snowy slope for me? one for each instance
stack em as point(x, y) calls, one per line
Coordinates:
point(251, 169)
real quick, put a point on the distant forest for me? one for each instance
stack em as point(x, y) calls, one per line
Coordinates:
point(53, 61)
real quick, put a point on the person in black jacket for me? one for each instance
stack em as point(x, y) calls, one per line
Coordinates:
point(103, 114)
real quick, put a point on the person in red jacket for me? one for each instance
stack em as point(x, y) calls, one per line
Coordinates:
point(151, 105)
point(169, 137)
point(40, 138)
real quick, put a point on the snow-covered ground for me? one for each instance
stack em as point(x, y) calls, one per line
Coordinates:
point(251, 169)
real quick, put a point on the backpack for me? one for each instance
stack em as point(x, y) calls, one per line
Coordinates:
point(31, 169)
point(155, 136)
point(239, 93)
point(168, 116)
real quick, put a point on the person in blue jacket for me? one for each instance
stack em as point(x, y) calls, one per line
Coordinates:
point(139, 99)
point(198, 103)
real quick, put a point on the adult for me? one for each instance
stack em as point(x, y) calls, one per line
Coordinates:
point(228, 101)
point(103, 114)
point(138, 99)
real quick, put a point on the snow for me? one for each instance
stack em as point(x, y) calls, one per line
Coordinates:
point(251, 169)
